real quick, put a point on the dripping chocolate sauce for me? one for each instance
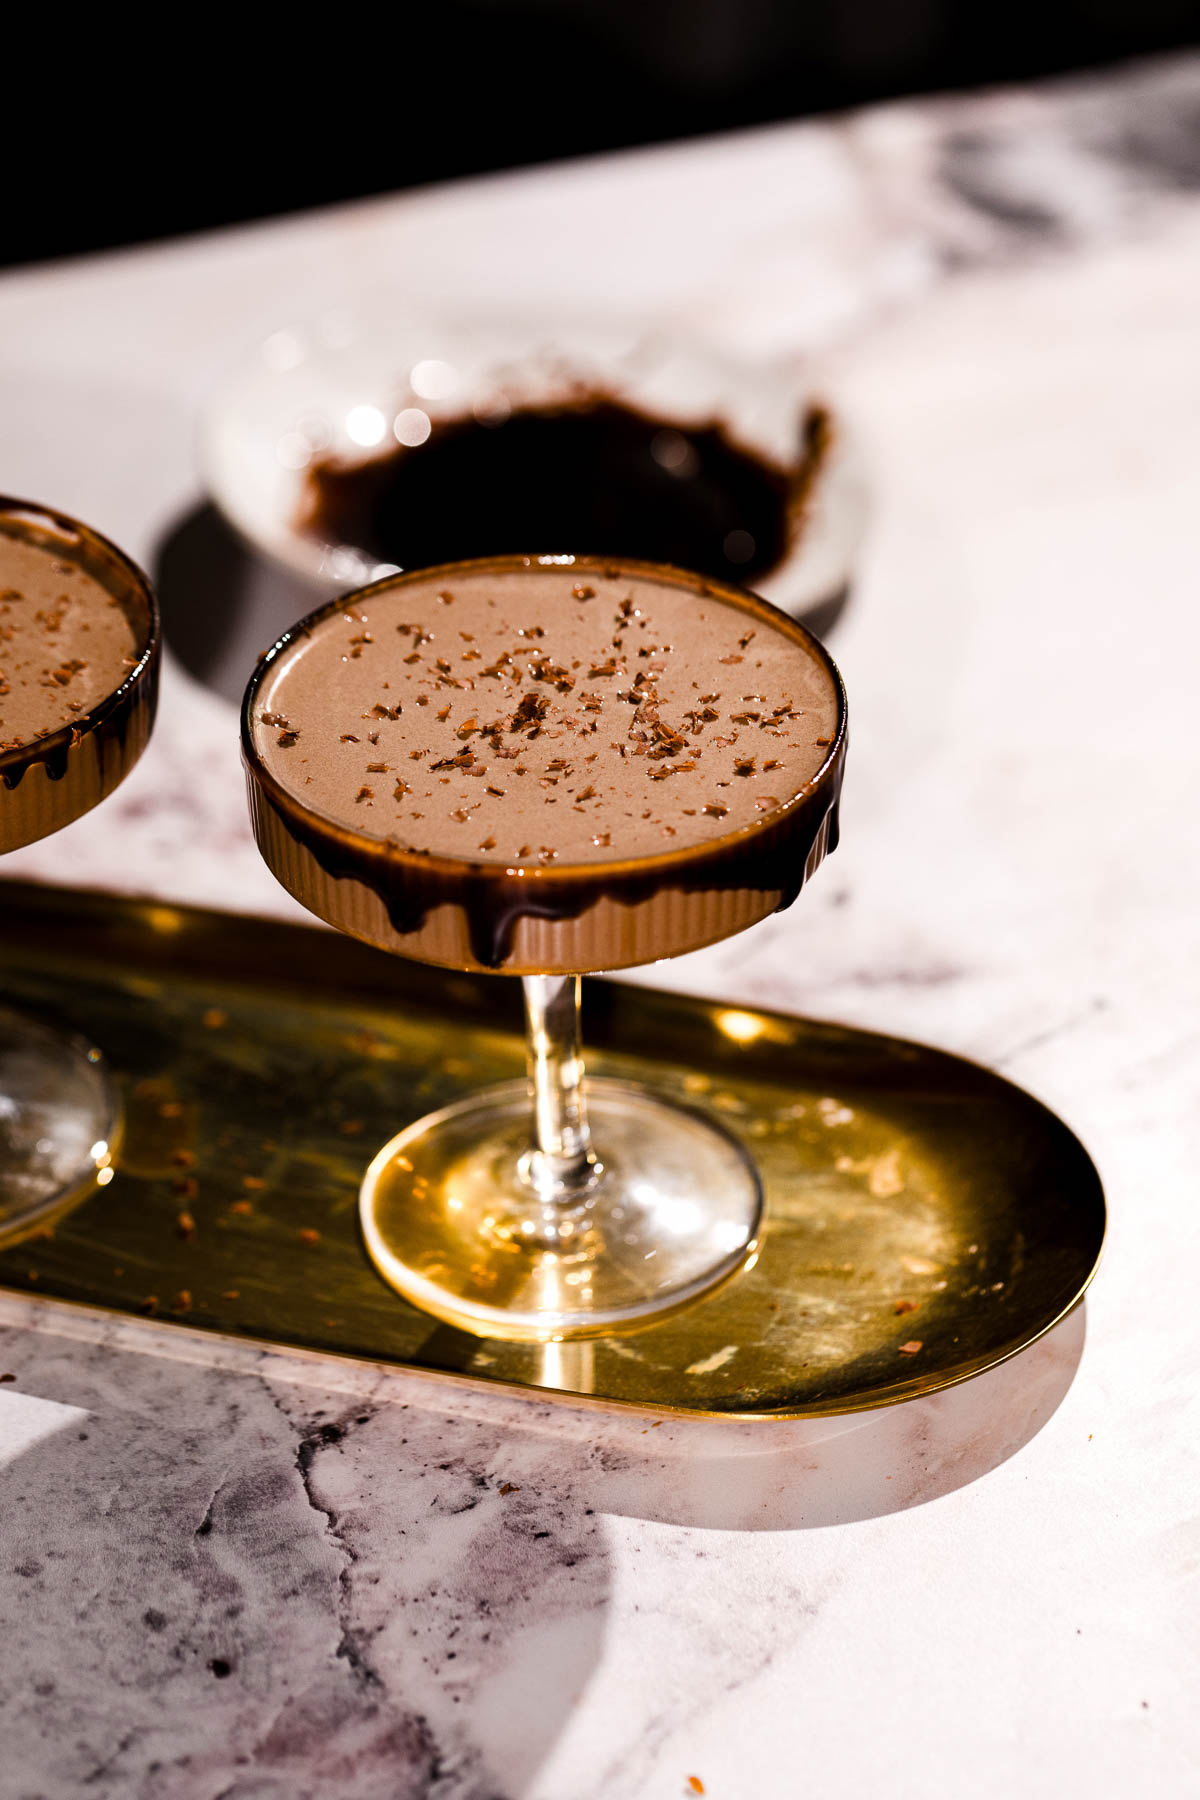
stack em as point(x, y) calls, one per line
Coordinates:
point(106, 724)
point(494, 901)
point(588, 472)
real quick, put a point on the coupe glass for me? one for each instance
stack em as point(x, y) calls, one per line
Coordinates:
point(556, 1207)
point(59, 1114)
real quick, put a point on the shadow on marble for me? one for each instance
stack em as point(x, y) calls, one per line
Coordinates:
point(234, 1585)
point(242, 1572)
point(222, 604)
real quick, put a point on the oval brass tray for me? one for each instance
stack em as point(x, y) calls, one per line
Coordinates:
point(925, 1218)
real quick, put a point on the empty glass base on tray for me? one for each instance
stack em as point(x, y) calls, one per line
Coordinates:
point(523, 1227)
point(58, 1122)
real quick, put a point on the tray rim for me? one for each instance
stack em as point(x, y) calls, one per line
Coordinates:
point(657, 1409)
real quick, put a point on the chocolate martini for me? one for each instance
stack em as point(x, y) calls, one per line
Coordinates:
point(545, 764)
point(542, 765)
point(79, 644)
point(78, 670)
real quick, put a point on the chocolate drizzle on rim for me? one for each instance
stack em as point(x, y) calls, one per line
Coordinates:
point(128, 711)
point(767, 856)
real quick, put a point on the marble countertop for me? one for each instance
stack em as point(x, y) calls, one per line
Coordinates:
point(224, 1573)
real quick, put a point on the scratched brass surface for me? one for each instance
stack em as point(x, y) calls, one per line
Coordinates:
point(925, 1219)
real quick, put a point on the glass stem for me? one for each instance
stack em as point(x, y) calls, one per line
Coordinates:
point(560, 1160)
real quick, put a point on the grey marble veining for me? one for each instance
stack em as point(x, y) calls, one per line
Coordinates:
point(247, 1613)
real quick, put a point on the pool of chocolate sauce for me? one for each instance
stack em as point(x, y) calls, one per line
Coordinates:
point(588, 472)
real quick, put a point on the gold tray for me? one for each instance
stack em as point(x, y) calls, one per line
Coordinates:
point(925, 1218)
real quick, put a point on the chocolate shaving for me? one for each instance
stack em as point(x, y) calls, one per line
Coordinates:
point(544, 670)
point(530, 712)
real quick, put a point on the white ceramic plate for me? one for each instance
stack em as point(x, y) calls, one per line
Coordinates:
point(351, 382)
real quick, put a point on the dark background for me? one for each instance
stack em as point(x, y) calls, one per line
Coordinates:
point(178, 123)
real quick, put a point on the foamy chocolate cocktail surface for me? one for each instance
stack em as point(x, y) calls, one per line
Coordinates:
point(65, 641)
point(78, 659)
point(550, 763)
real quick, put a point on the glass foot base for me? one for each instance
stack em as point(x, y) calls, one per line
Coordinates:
point(453, 1220)
point(58, 1122)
